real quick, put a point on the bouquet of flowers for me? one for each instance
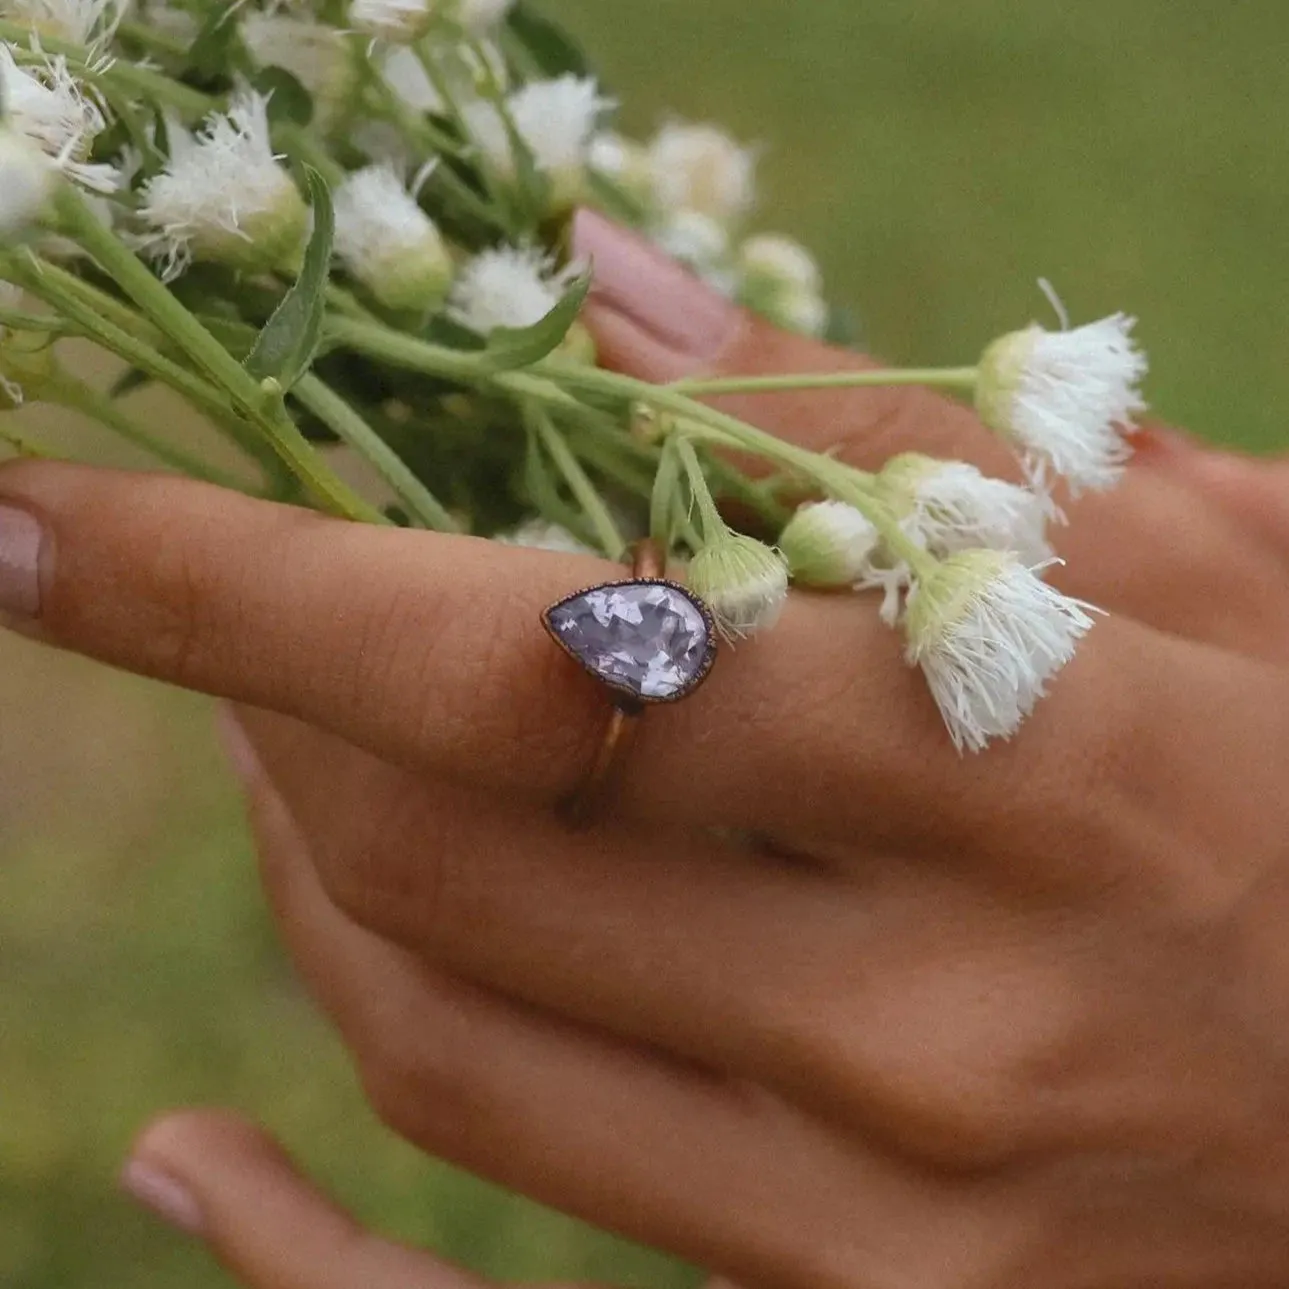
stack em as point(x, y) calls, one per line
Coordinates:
point(343, 226)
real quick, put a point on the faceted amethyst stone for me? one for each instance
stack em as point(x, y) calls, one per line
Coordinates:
point(651, 641)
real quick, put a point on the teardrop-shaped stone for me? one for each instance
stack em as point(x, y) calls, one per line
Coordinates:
point(650, 641)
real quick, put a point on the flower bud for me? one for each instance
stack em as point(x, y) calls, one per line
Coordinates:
point(27, 179)
point(1065, 398)
point(828, 543)
point(742, 582)
point(388, 243)
point(988, 634)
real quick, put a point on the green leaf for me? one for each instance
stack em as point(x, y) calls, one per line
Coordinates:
point(509, 348)
point(553, 52)
point(289, 340)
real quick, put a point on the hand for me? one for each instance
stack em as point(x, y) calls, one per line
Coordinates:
point(1000, 1021)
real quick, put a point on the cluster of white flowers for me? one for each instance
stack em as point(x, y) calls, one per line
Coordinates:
point(958, 556)
point(697, 186)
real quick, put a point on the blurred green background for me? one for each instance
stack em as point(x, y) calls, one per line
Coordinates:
point(940, 155)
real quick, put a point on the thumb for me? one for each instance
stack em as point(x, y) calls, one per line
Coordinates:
point(653, 319)
point(221, 1179)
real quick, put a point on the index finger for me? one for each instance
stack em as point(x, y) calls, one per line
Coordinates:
point(429, 651)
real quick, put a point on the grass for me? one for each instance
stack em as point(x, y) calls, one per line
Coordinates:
point(940, 157)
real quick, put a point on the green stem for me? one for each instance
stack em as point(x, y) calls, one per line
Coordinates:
point(120, 330)
point(579, 483)
point(352, 430)
point(166, 312)
point(959, 378)
point(67, 391)
point(664, 497)
point(709, 517)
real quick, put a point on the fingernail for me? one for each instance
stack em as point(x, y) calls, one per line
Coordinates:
point(237, 747)
point(20, 539)
point(634, 277)
point(164, 1195)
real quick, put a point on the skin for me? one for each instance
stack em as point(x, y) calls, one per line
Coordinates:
point(1015, 1019)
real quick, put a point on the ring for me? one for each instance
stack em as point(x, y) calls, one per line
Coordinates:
point(647, 641)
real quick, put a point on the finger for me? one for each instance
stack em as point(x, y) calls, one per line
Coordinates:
point(612, 1132)
point(833, 990)
point(428, 650)
point(224, 1180)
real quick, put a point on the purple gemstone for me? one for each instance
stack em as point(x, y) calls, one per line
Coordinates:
point(649, 640)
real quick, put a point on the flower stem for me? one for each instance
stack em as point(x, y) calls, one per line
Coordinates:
point(579, 483)
point(960, 378)
point(709, 517)
point(119, 330)
point(166, 312)
point(354, 431)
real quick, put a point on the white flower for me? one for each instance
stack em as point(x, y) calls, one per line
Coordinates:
point(82, 22)
point(508, 286)
point(989, 634)
point(556, 119)
point(316, 55)
point(1065, 398)
point(829, 543)
point(948, 506)
point(47, 105)
point(698, 167)
point(27, 179)
point(222, 195)
point(742, 582)
point(388, 242)
point(402, 21)
point(542, 535)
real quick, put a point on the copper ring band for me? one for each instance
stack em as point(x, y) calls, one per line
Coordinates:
point(647, 562)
